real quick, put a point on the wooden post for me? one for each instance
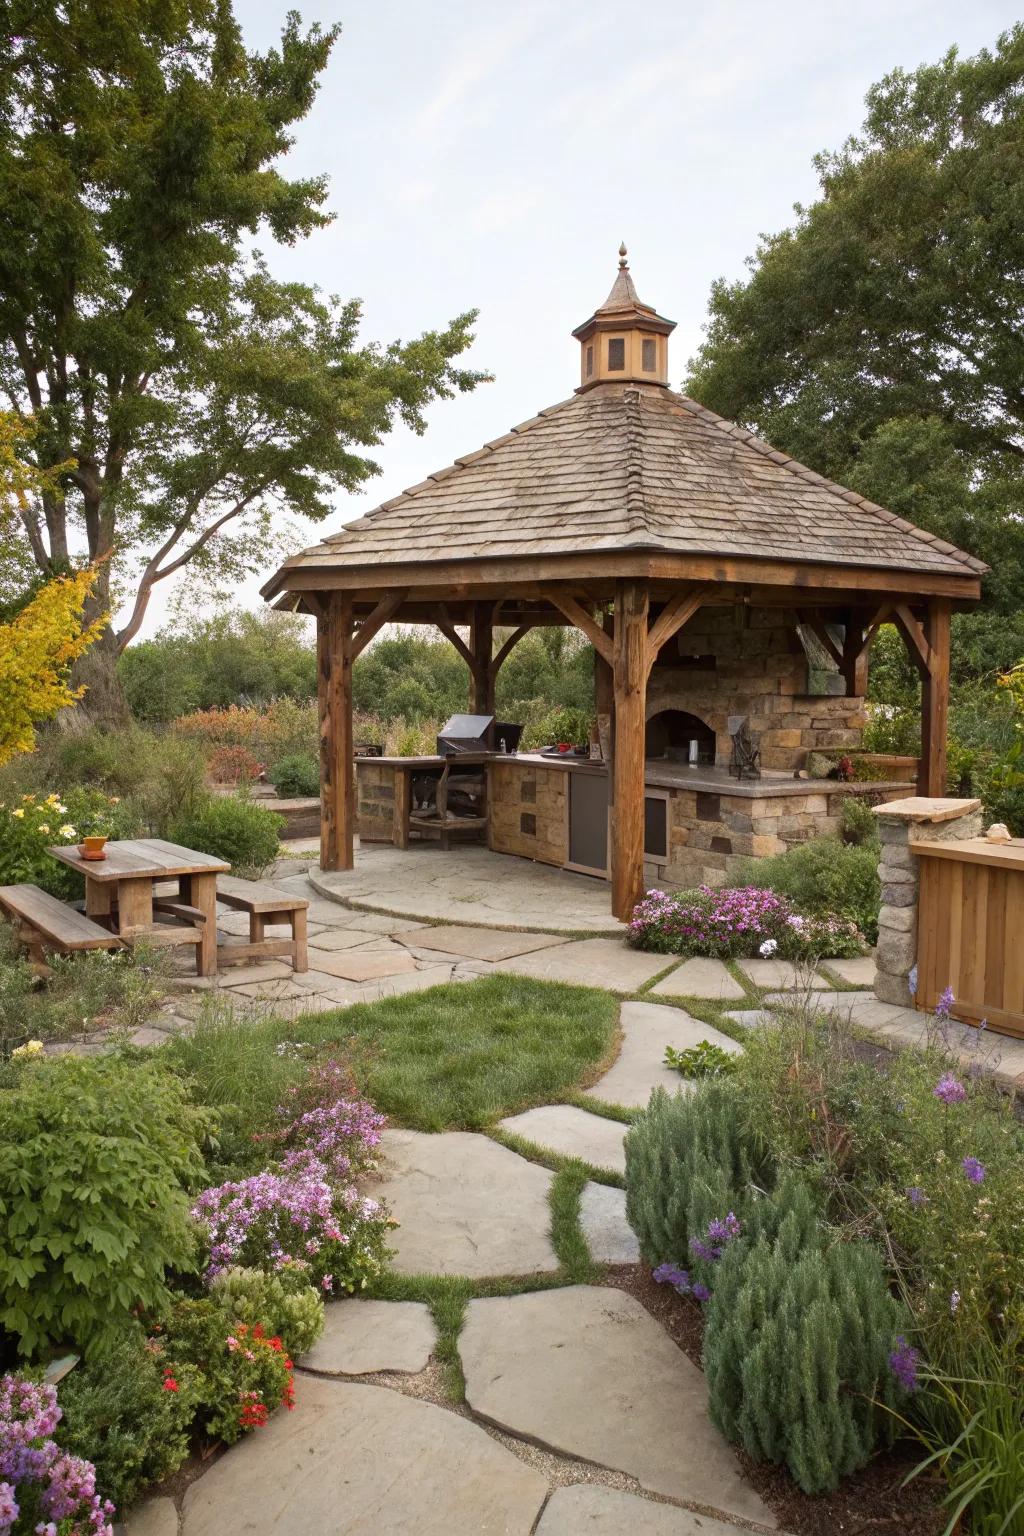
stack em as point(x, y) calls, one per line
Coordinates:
point(931, 778)
point(855, 656)
point(481, 639)
point(632, 602)
point(337, 756)
point(604, 701)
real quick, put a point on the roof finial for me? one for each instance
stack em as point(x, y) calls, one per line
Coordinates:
point(623, 263)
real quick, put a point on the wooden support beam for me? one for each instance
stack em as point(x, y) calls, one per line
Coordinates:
point(854, 664)
point(337, 756)
point(935, 701)
point(581, 619)
point(498, 661)
point(632, 605)
point(914, 635)
point(375, 621)
point(452, 635)
point(819, 629)
point(481, 643)
point(679, 610)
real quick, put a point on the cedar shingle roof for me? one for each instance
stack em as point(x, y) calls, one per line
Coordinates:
point(628, 467)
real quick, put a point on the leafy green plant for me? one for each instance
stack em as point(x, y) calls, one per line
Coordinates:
point(129, 1415)
point(232, 828)
point(30, 827)
point(563, 723)
point(705, 1059)
point(796, 1353)
point(95, 1157)
point(823, 877)
point(244, 1372)
point(688, 1160)
point(283, 1301)
point(858, 824)
point(295, 776)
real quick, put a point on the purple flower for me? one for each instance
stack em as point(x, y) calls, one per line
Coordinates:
point(904, 1362)
point(700, 1292)
point(974, 1170)
point(950, 1090)
point(670, 1274)
point(916, 1195)
point(944, 1004)
point(912, 981)
point(954, 1303)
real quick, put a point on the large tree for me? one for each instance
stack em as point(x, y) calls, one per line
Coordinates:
point(195, 395)
point(881, 338)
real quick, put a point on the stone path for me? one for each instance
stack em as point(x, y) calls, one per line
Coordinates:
point(572, 1132)
point(586, 1510)
point(362, 1337)
point(587, 1371)
point(466, 1206)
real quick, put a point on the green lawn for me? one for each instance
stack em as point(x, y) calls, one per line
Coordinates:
point(455, 1057)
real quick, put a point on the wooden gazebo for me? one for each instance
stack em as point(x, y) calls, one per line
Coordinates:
point(620, 511)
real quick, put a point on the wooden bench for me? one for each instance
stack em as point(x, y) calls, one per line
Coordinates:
point(265, 905)
point(44, 922)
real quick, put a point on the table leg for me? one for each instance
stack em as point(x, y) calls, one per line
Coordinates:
point(401, 804)
point(99, 896)
point(134, 905)
point(201, 891)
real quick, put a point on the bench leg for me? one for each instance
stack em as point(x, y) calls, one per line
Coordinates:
point(257, 927)
point(201, 892)
point(300, 955)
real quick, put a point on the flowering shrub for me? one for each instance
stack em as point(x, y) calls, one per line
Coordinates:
point(32, 824)
point(730, 924)
point(244, 1371)
point(43, 1488)
point(233, 765)
point(285, 1303)
point(295, 1217)
point(323, 1119)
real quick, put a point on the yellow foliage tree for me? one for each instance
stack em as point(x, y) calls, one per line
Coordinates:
point(40, 643)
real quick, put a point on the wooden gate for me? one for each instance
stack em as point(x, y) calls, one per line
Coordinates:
point(970, 930)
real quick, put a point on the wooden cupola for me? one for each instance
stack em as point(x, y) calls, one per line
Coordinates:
point(624, 340)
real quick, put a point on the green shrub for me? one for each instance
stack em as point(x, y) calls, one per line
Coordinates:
point(95, 1157)
point(823, 877)
point(563, 723)
point(232, 828)
point(796, 1352)
point(688, 1160)
point(858, 823)
point(243, 1372)
point(83, 992)
point(120, 1415)
point(295, 776)
point(284, 1303)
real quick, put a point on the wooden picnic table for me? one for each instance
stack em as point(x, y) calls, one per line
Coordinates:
point(119, 893)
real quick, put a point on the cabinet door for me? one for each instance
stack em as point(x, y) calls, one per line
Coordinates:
point(588, 822)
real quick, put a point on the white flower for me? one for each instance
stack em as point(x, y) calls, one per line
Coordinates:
point(67, 830)
point(768, 949)
point(61, 810)
point(30, 1048)
point(44, 826)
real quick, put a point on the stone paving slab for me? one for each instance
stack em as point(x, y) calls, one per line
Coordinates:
point(363, 965)
point(588, 1509)
point(572, 1132)
point(353, 1459)
point(647, 1028)
point(154, 1517)
point(609, 1236)
point(363, 1336)
point(699, 977)
point(752, 1018)
point(608, 963)
point(334, 939)
point(857, 971)
point(249, 975)
point(466, 1205)
point(478, 943)
point(778, 973)
point(586, 1370)
point(470, 883)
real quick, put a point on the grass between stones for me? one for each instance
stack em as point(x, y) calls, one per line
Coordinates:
point(456, 1057)
point(534, 1153)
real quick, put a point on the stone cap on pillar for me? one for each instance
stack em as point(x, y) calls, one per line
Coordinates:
point(927, 808)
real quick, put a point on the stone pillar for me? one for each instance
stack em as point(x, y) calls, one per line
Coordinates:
point(917, 819)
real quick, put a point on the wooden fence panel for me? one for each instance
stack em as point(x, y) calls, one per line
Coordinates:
point(970, 930)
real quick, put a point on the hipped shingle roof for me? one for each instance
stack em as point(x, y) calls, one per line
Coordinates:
point(628, 467)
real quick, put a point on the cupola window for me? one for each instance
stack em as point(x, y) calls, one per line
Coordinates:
point(649, 355)
point(590, 361)
point(616, 354)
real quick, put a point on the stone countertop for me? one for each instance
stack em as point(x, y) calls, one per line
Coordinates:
point(716, 780)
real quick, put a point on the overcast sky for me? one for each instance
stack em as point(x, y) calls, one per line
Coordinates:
point(492, 156)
